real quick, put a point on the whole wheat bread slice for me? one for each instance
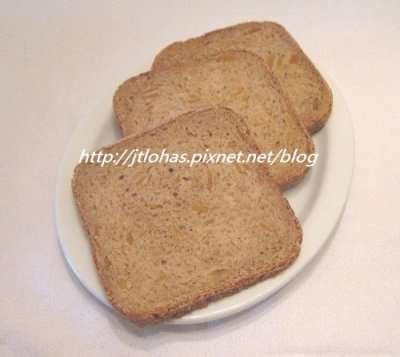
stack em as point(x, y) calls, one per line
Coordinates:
point(168, 238)
point(238, 80)
point(304, 85)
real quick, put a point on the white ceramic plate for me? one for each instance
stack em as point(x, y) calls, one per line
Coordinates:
point(318, 201)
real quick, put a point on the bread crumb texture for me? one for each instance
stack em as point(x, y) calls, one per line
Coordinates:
point(167, 238)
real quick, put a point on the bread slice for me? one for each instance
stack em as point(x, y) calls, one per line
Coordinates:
point(168, 238)
point(238, 80)
point(304, 85)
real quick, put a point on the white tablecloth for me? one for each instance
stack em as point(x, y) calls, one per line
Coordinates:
point(58, 58)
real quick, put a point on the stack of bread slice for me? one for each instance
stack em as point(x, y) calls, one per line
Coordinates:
point(167, 238)
point(298, 77)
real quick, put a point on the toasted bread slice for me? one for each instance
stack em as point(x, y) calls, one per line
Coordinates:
point(238, 80)
point(168, 238)
point(304, 85)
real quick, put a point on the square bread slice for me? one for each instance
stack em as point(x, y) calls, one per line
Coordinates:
point(304, 85)
point(168, 238)
point(237, 80)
